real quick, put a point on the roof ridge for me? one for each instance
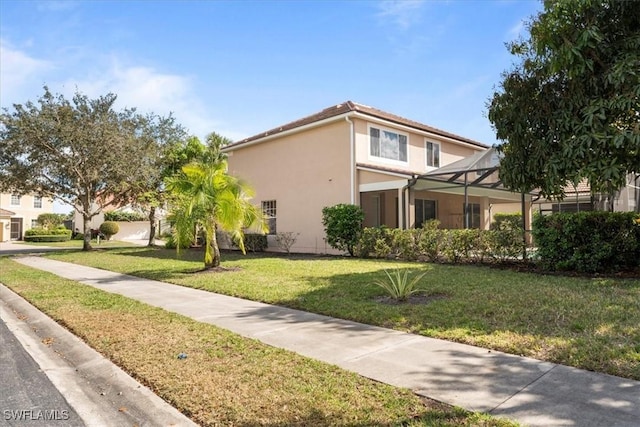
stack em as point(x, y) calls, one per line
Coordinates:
point(351, 106)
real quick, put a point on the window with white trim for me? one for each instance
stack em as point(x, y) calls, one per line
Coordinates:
point(269, 210)
point(15, 200)
point(34, 223)
point(387, 144)
point(37, 202)
point(433, 154)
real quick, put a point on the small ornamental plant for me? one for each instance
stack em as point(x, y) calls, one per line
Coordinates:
point(399, 285)
point(109, 228)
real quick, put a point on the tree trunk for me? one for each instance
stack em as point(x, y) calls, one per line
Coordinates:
point(152, 226)
point(212, 243)
point(86, 245)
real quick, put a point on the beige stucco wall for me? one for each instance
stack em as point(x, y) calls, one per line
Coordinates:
point(303, 172)
point(25, 211)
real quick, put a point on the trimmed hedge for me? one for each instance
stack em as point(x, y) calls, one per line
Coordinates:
point(588, 242)
point(124, 216)
point(436, 245)
point(40, 234)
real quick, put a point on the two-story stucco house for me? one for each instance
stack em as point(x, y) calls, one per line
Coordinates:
point(20, 213)
point(352, 153)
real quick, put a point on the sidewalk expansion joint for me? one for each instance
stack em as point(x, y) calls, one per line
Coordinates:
point(382, 349)
point(523, 388)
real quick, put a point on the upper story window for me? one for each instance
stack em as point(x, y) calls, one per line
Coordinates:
point(37, 202)
point(387, 144)
point(15, 200)
point(433, 154)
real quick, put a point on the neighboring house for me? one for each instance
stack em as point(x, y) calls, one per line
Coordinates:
point(394, 168)
point(20, 213)
point(579, 199)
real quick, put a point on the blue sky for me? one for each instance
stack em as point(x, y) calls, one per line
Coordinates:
point(243, 67)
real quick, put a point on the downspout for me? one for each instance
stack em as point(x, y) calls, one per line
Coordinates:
point(352, 162)
point(410, 183)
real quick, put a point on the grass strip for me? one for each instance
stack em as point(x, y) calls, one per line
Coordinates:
point(587, 323)
point(225, 379)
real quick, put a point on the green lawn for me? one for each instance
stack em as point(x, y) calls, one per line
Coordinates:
point(589, 323)
point(225, 379)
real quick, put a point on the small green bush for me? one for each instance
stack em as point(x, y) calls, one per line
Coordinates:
point(342, 225)
point(255, 242)
point(109, 228)
point(430, 240)
point(171, 243)
point(374, 242)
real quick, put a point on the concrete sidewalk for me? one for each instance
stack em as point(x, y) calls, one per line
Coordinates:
point(533, 392)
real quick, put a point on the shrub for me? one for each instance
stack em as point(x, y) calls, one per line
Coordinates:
point(124, 216)
point(171, 243)
point(503, 221)
point(109, 228)
point(43, 235)
point(430, 240)
point(374, 242)
point(398, 285)
point(588, 242)
point(286, 239)
point(342, 225)
point(255, 242)
point(505, 236)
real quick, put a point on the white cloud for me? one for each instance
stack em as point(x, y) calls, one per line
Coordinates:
point(403, 13)
point(145, 88)
point(149, 90)
point(18, 70)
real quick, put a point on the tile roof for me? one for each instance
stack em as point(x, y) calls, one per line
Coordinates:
point(354, 107)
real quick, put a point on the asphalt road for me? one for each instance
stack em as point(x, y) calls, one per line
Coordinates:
point(27, 396)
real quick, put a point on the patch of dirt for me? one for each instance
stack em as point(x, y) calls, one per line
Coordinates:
point(415, 299)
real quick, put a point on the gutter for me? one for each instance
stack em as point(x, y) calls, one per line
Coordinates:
point(352, 162)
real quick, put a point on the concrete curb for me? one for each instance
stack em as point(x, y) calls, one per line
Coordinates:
point(101, 393)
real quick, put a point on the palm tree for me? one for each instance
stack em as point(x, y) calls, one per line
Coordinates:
point(208, 199)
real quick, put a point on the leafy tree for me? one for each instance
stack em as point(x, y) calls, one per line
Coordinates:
point(570, 108)
point(81, 152)
point(343, 225)
point(167, 138)
point(208, 199)
point(51, 220)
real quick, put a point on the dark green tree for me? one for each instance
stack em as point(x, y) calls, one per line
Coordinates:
point(570, 108)
point(81, 152)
